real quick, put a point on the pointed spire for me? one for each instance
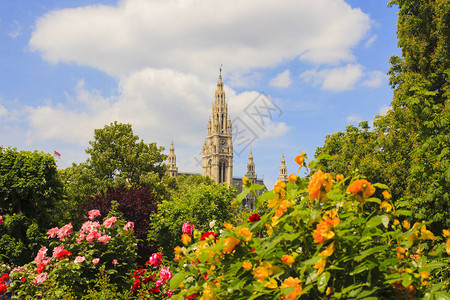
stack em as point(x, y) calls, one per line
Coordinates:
point(172, 168)
point(282, 176)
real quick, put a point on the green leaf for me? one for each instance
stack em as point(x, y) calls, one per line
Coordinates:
point(322, 282)
point(373, 222)
point(370, 251)
point(403, 212)
point(381, 186)
point(374, 200)
point(177, 279)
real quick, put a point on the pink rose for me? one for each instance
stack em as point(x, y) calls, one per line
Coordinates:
point(89, 226)
point(56, 250)
point(93, 214)
point(92, 236)
point(187, 228)
point(104, 239)
point(95, 261)
point(53, 232)
point(159, 282)
point(169, 293)
point(1, 220)
point(155, 259)
point(128, 226)
point(165, 273)
point(79, 259)
point(41, 255)
point(108, 223)
point(40, 278)
point(65, 231)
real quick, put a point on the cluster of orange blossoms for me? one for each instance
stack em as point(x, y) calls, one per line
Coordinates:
point(279, 203)
point(319, 186)
point(323, 231)
point(362, 189)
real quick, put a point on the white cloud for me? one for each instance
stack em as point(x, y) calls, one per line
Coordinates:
point(16, 29)
point(335, 79)
point(282, 80)
point(237, 79)
point(354, 119)
point(383, 111)
point(197, 36)
point(162, 105)
point(370, 41)
point(374, 79)
point(3, 111)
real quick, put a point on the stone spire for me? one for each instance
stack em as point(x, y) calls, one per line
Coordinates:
point(282, 176)
point(217, 159)
point(172, 168)
point(251, 169)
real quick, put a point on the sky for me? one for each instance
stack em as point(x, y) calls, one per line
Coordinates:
point(294, 71)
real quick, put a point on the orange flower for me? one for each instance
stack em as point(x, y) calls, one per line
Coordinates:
point(263, 271)
point(246, 182)
point(271, 284)
point(247, 265)
point(386, 195)
point(228, 226)
point(320, 265)
point(339, 177)
point(288, 259)
point(319, 186)
point(269, 229)
point(290, 282)
point(446, 233)
point(385, 206)
point(362, 189)
point(245, 232)
point(447, 246)
point(293, 178)
point(400, 252)
point(329, 250)
point(300, 160)
point(185, 239)
point(280, 189)
point(230, 243)
point(323, 232)
point(406, 225)
point(208, 294)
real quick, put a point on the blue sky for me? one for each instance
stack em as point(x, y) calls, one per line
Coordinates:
point(68, 67)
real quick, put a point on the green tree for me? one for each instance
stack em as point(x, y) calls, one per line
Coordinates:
point(30, 194)
point(409, 147)
point(196, 199)
point(116, 157)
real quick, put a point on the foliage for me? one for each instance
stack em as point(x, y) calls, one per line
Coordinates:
point(116, 157)
point(78, 259)
point(135, 203)
point(412, 141)
point(29, 201)
point(326, 239)
point(196, 198)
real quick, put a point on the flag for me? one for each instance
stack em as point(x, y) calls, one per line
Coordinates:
point(57, 154)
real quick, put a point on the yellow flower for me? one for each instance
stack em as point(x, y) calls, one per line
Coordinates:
point(288, 259)
point(329, 250)
point(323, 231)
point(208, 294)
point(426, 234)
point(280, 189)
point(362, 189)
point(271, 284)
point(319, 186)
point(386, 195)
point(293, 178)
point(447, 245)
point(339, 177)
point(290, 282)
point(247, 265)
point(320, 265)
point(185, 239)
point(269, 229)
point(446, 233)
point(385, 206)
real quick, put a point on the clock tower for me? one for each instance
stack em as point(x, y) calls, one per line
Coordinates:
point(217, 154)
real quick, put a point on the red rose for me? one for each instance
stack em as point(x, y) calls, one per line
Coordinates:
point(254, 218)
point(40, 267)
point(209, 234)
point(63, 254)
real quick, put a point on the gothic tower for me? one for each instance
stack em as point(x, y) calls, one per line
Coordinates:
point(172, 168)
point(251, 169)
point(282, 176)
point(217, 157)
